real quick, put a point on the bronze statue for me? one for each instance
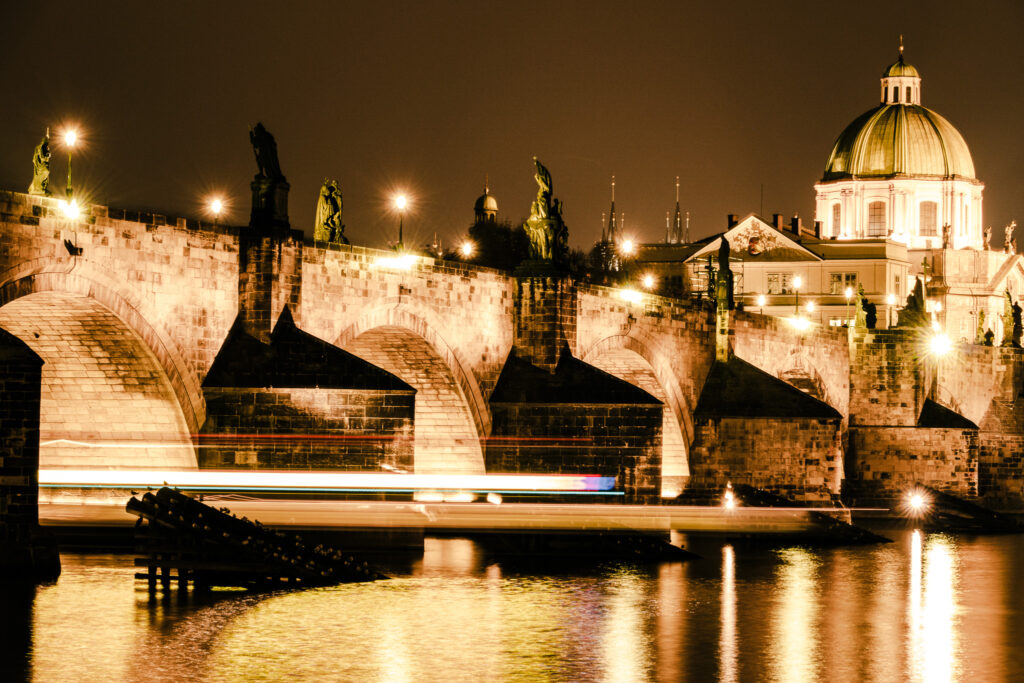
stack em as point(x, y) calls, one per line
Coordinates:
point(1007, 319)
point(265, 147)
point(987, 236)
point(724, 278)
point(549, 236)
point(947, 230)
point(41, 168)
point(979, 334)
point(329, 207)
point(1009, 243)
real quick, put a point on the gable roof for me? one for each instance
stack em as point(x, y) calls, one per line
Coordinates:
point(736, 388)
point(755, 239)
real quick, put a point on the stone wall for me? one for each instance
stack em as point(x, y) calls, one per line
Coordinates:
point(307, 429)
point(614, 440)
point(888, 378)
point(885, 462)
point(545, 319)
point(1001, 470)
point(797, 458)
point(22, 550)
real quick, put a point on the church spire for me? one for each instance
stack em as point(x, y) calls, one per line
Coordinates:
point(613, 228)
point(677, 228)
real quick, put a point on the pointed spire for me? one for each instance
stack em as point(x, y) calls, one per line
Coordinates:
point(668, 222)
point(487, 184)
point(604, 229)
point(901, 46)
point(677, 232)
point(613, 229)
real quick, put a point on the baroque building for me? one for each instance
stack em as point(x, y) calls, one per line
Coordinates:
point(903, 172)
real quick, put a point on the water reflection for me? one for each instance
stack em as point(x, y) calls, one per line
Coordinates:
point(904, 611)
point(794, 644)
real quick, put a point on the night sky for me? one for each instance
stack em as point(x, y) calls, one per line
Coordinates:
point(432, 96)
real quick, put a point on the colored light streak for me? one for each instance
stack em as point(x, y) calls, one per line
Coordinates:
point(268, 480)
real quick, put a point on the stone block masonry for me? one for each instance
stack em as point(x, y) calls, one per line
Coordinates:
point(22, 550)
point(308, 429)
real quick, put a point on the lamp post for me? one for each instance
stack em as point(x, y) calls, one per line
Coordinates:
point(401, 201)
point(890, 301)
point(216, 207)
point(761, 302)
point(849, 298)
point(466, 249)
point(70, 138)
point(648, 281)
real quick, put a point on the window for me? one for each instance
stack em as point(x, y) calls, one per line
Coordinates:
point(929, 219)
point(908, 93)
point(876, 219)
point(895, 93)
point(836, 322)
point(838, 282)
point(780, 283)
point(896, 285)
point(837, 212)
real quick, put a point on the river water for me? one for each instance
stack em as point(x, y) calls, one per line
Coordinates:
point(928, 607)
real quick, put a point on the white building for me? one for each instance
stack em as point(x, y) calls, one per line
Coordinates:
point(902, 172)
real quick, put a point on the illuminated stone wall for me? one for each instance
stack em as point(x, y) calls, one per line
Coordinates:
point(797, 458)
point(885, 462)
point(614, 440)
point(307, 429)
point(1001, 470)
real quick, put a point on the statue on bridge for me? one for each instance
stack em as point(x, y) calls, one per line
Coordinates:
point(265, 147)
point(269, 187)
point(1009, 243)
point(549, 237)
point(328, 226)
point(41, 168)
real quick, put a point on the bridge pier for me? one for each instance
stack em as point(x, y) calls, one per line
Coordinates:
point(24, 551)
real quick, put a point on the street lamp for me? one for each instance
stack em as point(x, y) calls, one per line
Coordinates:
point(761, 302)
point(648, 281)
point(849, 298)
point(627, 247)
point(70, 138)
point(810, 307)
point(216, 207)
point(890, 300)
point(401, 202)
point(466, 249)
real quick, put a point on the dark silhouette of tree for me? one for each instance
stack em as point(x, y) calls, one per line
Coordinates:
point(498, 245)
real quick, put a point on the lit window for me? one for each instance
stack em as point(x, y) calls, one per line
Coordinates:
point(780, 283)
point(897, 285)
point(929, 219)
point(838, 282)
point(837, 213)
point(836, 322)
point(876, 219)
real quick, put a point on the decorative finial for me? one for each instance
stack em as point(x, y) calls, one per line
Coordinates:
point(487, 185)
point(613, 188)
point(901, 45)
point(677, 189)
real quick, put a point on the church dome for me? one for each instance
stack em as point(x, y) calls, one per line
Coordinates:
point(899, 137)
point(486, 203)
point(899, 140)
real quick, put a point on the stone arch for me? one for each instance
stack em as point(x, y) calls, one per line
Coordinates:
point(105, 399)
point(631, 359)
point(798, 370)
point(402, 339)
point(79, 277)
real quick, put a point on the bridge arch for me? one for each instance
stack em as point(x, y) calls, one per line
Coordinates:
point(633, 360)
point(451, 416)
point(106, 400)
point(76, 276)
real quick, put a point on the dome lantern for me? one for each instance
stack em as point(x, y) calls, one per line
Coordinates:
point(901, 83)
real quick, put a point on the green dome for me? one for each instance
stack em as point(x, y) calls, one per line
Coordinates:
point(899, 140)
point(900, 68)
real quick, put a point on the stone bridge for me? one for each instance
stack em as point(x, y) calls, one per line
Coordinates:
point(129, 312)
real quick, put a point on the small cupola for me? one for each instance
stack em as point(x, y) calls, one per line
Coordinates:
point(901, 84)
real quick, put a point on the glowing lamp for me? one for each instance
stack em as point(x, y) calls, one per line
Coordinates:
point(799, 323)
point(798, 282)
point(70, 137)
point(216, 206)
point(630, 295)
point(401, 201)
point(848, 293)
point(761, 300)
point(940, 344)
point(890, 299)
point(628, 247)
point(648, 281)
point(70, 209)
point(466, 249)
point(810, 307)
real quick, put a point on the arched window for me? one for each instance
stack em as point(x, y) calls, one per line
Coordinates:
point(876, 219)
point(895, 93)
point(928, 219)
point(908, 94)
point(837, 212)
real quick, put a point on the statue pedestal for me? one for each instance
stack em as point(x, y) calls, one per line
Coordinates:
point(269, 203)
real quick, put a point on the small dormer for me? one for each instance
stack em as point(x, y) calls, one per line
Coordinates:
point(901, 84)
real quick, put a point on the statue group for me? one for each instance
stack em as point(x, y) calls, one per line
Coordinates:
point(549, 238)
point(329, 206)
point(41, 168)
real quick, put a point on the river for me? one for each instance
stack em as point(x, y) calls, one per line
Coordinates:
point(928, 607)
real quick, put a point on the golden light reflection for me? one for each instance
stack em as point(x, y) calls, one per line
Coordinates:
point(938, 641)
point(671, 619)
point(625, 646)
point(794, 646)
point(728, 651)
